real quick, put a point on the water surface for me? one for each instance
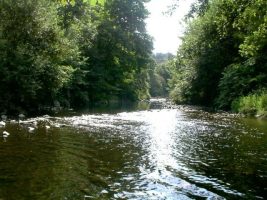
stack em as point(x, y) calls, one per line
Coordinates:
point(152, 152)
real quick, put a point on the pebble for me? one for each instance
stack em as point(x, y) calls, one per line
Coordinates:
point(2, 124)
point(31, 129)
point(5, 133)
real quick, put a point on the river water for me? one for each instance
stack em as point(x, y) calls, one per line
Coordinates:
point(148, 152)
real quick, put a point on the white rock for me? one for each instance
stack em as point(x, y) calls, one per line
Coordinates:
point(104, 192)
point(5, 133)
point(57, 125)
point(2, 123)
point(88, 197)
point(31, 129)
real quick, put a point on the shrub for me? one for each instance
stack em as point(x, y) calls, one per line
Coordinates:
point(255, 103)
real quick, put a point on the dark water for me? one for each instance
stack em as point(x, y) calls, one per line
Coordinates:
point(156, 154)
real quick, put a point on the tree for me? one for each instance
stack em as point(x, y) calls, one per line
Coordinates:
point(34, 56)
point(159, 74)
point(120, 52)
point(223, 49)
point(74, 52)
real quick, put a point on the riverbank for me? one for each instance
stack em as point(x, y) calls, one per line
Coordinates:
point(254, 104)
point(153, 103)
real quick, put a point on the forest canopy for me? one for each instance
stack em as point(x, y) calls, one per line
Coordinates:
point(72, 52)
point(77, 53)
point(223, 57)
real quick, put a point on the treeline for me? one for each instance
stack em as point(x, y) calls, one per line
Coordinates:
point(222, 61)
point(72, 53)
point(160, 74)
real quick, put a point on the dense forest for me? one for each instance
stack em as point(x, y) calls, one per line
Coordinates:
point(160, 74)
point(72, 53)
point(78, 53)
point(222, 61)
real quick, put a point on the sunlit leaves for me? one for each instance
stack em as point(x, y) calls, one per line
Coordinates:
point(96, 2)
point(253, 21)
point(228, 33)
point(73, 51)
point(91, 2)
point(37, 59)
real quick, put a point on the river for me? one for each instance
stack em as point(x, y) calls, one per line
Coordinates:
point(148, 152)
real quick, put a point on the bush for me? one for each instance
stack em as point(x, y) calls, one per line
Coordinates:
point(238, 81)
point(252, 104)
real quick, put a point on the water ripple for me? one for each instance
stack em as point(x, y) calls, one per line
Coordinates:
point(154, 154)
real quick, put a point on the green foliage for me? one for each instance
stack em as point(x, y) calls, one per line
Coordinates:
point(35, 55)
point(239, 80)
point(159, 75)
point(180, 82)
point(255, 103)
point(199, 60)
point(91, 2)
point(120, 53)
point(75, 52)
point(97, 2)
point(252, 23)
point(198, 8)
point(223, 55)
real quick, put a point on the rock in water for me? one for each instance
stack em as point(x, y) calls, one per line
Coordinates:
point(31, 129)
point(5, 134)
point(2, 124)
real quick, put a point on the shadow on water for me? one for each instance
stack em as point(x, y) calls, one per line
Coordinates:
point(112, 108)
point(149, 150)
point(118, 107)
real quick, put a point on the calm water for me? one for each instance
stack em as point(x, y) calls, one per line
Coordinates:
point(158, 153)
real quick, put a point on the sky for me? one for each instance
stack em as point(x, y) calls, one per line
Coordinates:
point(166, 29)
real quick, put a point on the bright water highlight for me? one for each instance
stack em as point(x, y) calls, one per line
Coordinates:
point(160, 153)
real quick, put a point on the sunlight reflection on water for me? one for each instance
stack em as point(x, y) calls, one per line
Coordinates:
point(157, 132)
point(151, 154)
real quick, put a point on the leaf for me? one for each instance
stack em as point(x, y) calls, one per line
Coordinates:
point(95, 2)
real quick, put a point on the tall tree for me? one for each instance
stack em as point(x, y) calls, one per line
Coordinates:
point(222, 49)
point(34, 54)
point(121, 51)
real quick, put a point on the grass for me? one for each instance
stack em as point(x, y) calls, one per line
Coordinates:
point(253, 104)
